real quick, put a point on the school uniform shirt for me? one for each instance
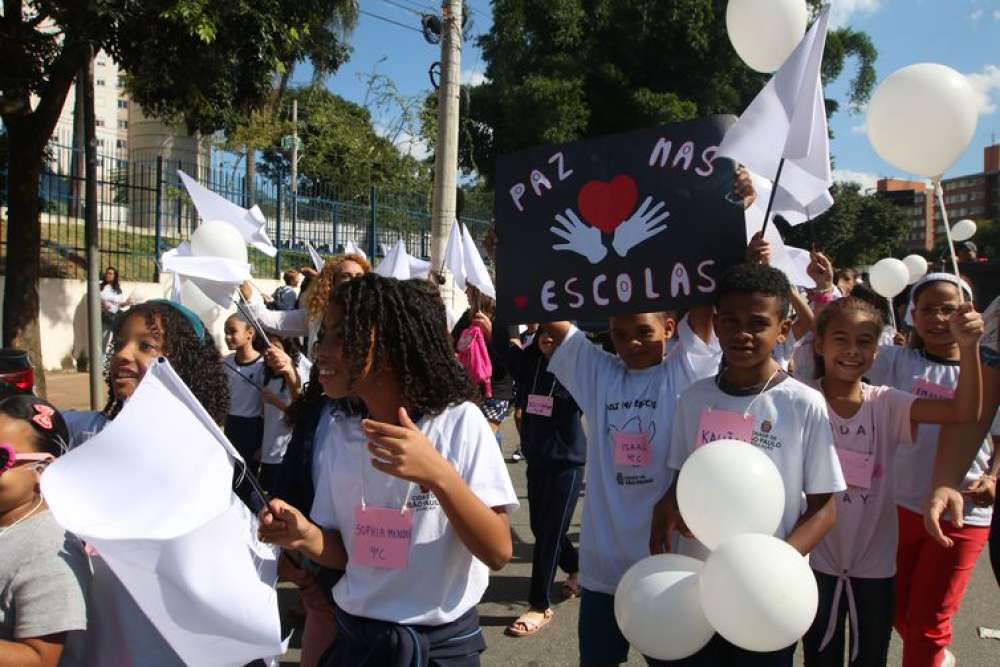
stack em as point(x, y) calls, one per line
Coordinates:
point(442, 579)
point(790, 425)
point(277, 433)
point(916, 371)
point(804, 359)
point(619, 404)
point(244, 394)
point(863, 541)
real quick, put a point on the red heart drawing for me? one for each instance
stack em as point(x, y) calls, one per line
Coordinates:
point(521, 301)
point(605, 205)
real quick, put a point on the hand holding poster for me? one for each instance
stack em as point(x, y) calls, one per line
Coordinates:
point(628, 223)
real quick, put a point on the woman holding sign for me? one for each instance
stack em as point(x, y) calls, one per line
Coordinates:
point(415, 492)
point(555, 448)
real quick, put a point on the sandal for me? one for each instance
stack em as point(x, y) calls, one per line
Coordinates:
point(571, 588)
point(524, 627)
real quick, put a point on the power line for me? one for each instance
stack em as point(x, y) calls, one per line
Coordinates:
point(389, 20)
point(404, 7)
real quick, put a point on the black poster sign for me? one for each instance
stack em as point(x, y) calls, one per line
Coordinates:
point(627, 223)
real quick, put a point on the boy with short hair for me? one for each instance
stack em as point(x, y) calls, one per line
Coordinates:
point(628, 400)
point(783, 417)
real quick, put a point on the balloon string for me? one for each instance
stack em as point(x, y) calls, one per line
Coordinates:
point(892, 314)
point(939, 191)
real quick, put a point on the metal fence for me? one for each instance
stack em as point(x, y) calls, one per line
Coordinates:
point(144, 211)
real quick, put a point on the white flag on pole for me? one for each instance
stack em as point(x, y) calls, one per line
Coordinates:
point(217, 277)
point(401, 265)
point(164, 518)
point(787, 120)
point(211, 206)
point(454, 256)
point(352, 249)
point(476, 272)
point(315, 257)
point(791, 260)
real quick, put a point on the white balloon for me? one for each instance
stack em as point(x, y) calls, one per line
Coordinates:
point(727, 488)
point(922, 118)
point(963, 230)
point(658, 607)
point(916, 266)
point(758, 592)
point(215, 238)
point(194, 298)
point(765, 32)
point(889, 277)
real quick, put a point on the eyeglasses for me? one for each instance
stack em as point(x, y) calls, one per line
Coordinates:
point(944, 311)
point(9, 457)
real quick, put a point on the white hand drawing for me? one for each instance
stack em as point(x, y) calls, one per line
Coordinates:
point(644, 224)
point(580, 237)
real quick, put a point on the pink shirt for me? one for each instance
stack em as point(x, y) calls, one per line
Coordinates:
point(863, 541)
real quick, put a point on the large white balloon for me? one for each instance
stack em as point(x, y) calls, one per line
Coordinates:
point(196, 300)
point(922, 118)
point(727, 488)
point(215, 238)
point(916, 266)
point(658, 607)
point(758, 592)
point(765, 32)
point(963, 230)
point(889, 277)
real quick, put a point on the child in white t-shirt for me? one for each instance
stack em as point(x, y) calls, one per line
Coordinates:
point(855, 564)
point(286, 368)
point(245, 368)
point(628, 401)
point(786, 419)
point(413, 502)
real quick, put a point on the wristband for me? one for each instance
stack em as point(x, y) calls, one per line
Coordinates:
point(822, 297)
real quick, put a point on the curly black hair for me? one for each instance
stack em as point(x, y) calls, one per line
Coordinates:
point(197, 361)
point(402, 326)
point(52, 440)
point(756, 278)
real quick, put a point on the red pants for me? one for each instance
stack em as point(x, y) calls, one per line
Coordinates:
point(320, 628)
point(930, 583)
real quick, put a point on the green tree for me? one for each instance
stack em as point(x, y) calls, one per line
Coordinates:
point(559, 70)
point(202, 62)
point(858, 229)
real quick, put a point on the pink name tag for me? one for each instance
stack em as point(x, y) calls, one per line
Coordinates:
point(632, 449)
point(723, 425)
point(540, 405)
point(925, 389)
point(382, 537)
point(858, 467)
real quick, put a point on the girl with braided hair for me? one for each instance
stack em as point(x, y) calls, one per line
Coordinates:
point(416, 490)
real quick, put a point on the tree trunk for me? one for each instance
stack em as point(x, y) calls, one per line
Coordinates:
point(20, 298)
point(250, 186)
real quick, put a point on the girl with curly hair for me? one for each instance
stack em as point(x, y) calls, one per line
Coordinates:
point(305, 320)
point(120, 633)
point(414, 489)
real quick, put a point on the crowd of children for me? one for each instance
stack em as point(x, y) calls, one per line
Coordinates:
point(390, 496)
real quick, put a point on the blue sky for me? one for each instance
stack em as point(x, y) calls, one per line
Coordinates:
point(964, 34)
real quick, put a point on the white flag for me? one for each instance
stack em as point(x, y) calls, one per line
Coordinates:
point(314, 256)
point(164, 518)
point(352, 249)
point(454, 256)
point(217, 277)
point(787, 120)
point(791, 260)
point(476, 272)
point(211, 206)
point(395, 263)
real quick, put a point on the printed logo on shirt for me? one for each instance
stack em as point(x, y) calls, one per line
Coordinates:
point(765, 426)
point(638, 404)
point(423, 502)
point(632, 480)
point(765, 439)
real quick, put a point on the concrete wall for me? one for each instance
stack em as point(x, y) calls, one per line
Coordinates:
point(63, 316)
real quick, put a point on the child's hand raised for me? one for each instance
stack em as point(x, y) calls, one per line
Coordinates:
point(759, 250)
point(820, 269)
point(282, 524)
point(743, 188)
point(966, 325)
point(404, 451)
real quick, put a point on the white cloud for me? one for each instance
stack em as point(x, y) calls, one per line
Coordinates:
point(976, 15)
point(986, 83)
point(996, 14)
point(409, 144)
point(866, 179)
point(472, 78)
point(860, 128)
point(842, 10)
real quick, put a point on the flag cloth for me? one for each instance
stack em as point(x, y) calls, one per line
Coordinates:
point(352, 249)
point(211, 206)
point(217, 277)
point(791, 260)
point(314, 256)
point(454, 256)
point(787, 120)
point(399, 264)
point(152, 493)
point(476, 272)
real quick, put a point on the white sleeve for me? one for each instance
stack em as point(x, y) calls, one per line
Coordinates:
point(322, 512)
point(821, 466)
point(880, 374)
point(681, 441)
point(286, 323)
point(580, 366)
point(482, 465)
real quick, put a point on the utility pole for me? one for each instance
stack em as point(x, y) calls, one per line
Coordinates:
point(95, 351)
point(295, 166)
point(446, 153)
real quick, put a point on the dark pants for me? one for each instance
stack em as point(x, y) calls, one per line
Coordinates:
point(269, 477)
point(720, 653)
point(552, 496)
point(246, 435)
point(875, 601)
point(995, 542)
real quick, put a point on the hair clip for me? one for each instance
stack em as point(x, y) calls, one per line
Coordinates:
point(43, 416)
